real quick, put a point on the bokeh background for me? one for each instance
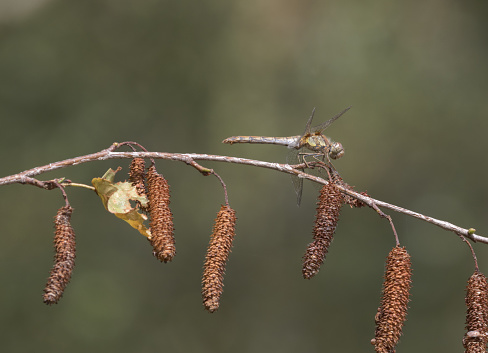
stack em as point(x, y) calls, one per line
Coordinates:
point(180, 76)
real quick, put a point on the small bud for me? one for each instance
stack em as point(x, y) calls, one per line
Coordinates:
point(217, 254)
point(392, 312)
point(329, 207)
point(64, 259)
point(162, 238)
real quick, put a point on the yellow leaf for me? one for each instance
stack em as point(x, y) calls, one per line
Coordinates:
point(116, 199)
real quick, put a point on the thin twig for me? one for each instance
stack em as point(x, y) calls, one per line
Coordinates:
point(65, 196)
point(131, 144)
point(472, 252)
point(190, 158)
point(388, 217)
point(78, 185)
point(208, 171)
point(224, 186)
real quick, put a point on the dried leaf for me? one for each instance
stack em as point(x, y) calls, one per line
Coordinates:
point(116, 199)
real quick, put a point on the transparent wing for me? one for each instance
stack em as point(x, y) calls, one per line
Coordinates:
point(323, 126)
point(293, 158)
point(309, 123)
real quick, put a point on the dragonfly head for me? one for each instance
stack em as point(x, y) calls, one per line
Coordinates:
point(336, 150)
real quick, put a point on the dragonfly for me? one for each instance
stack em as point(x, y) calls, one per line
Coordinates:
point(320, 147)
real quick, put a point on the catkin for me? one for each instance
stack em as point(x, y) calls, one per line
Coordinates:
point(329, 206)
point(137, 177)
point(351, 201)
point(392, 312)
point(64, 259)
point(162, 238)
point(217, 254)
point(476, 299)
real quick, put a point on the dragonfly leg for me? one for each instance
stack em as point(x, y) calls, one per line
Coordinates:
point(318, 157)
point(319, 160)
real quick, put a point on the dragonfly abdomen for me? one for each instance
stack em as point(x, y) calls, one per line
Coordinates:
point(291, 141)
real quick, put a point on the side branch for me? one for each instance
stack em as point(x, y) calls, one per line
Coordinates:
point(190, 158)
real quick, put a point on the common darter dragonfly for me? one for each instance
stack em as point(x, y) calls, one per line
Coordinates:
point(320, 147)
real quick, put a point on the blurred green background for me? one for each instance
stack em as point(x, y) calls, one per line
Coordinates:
point(180, 76)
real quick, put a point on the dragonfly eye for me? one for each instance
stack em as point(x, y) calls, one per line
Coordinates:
point(336, 150)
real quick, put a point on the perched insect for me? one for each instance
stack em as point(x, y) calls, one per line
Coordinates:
point(312, 139)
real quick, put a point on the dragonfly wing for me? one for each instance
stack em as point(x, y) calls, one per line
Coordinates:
point(309, 125)
point(293, 158)
point(325, 125)
point(298, 185)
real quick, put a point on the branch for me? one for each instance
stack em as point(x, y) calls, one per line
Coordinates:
point(25, 177)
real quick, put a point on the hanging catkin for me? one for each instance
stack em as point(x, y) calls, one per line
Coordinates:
point(161, 224)
point(392, 312)
point(329, 206)
point(476, 299)
point(137, 176)
point(64, 258)
point(217, 254)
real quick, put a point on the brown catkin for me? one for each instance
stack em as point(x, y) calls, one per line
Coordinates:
point(351, 201)
point(476, 299)
point(64, 259)
point(217, 254)
point(329, 206)
point(392, 312)
point(137, 175)
point(162, 238)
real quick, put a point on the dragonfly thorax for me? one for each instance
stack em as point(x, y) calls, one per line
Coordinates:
point(316, 143)
point(320, 143)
